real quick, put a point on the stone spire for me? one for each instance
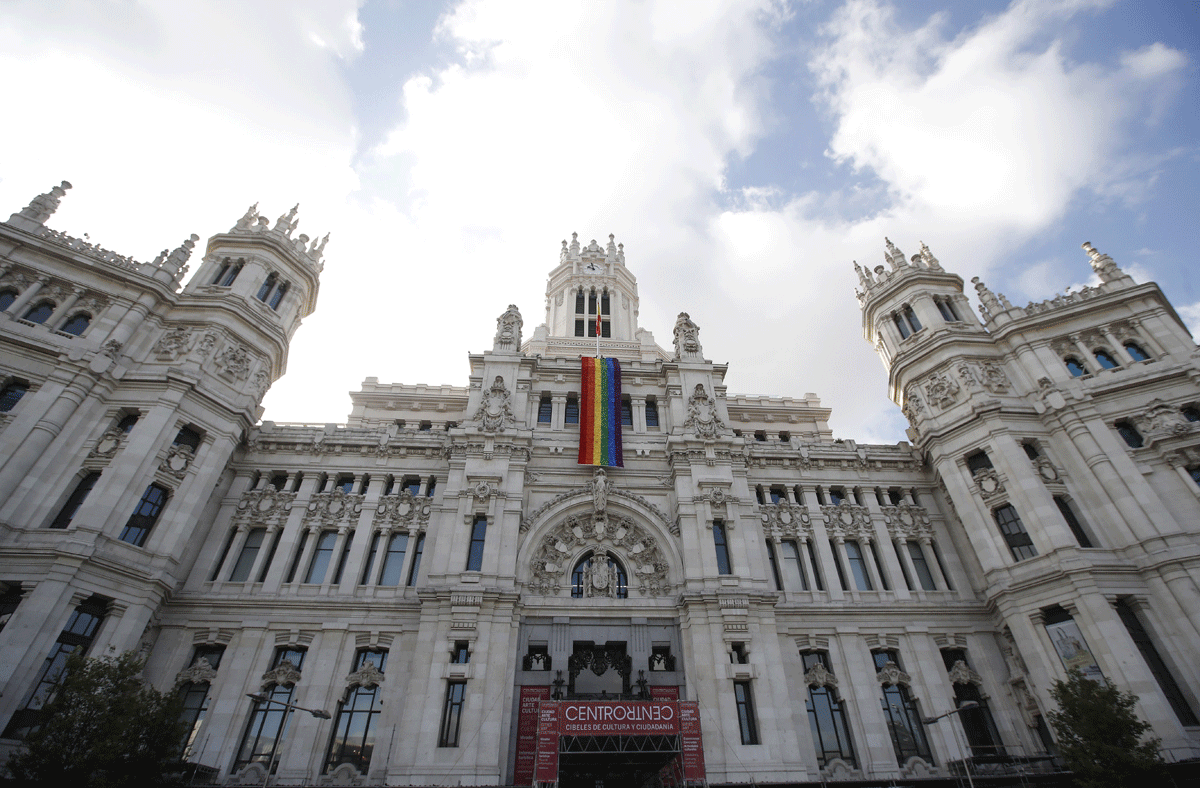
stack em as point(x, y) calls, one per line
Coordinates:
point(40, 208)
point(1102, 264)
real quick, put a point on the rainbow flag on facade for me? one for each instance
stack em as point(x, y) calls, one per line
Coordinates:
point(600, 413)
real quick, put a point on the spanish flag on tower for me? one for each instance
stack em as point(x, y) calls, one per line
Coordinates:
point(600, 413)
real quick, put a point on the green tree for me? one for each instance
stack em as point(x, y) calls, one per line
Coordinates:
point(104, 728)
point(1100, 736)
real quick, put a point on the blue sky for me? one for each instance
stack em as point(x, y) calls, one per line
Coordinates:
point(744, 152)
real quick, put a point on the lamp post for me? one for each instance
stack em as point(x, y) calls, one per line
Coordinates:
point(969, 704)
point(320, 714)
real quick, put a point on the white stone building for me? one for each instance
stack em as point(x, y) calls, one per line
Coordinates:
point(422, 568)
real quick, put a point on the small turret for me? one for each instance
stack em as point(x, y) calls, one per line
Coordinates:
point(32, 217)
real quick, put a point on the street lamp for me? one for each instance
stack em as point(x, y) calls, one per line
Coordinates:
point(320, 714)
point(967, 704)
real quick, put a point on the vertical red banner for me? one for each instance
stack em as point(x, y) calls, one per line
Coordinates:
point(691, 740)
point(546, 769)
point(527, 730)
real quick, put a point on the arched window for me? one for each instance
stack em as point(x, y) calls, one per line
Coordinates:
point(267, 286)
point(6, 299)
point(1130, 434)
point(591, 577)
point(11, 394)
point(39, 314)
point(1136, 352)
point(76, 324)
point(1106, 360)
point(1191, 413)
point(277, 296)
point(227, 275)
point(1075, 367)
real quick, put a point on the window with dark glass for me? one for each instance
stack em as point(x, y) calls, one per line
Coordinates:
point(1135, 352)
point(920, 565)
point(295, 566)
point(7, 297)
point(902, 326)
point(429, 488)
point(858, 565)
point(837, 564)
point(146, 514)
point(902, 715)
point(452, 714)
point(10, 600)
point(369, 564)
point(40, 313)
point(977, 722)
point(416, 562)
point(77, 635)
point(187, 437)
point(545, 409)
point(478, 535)
point(793, 567)
point(1129, 434)
point(347, 543)
point(771, 559)
point(265, 726)
point(778, 493)
point(461, 653)
point(267, 286)
point(745, 710)
point(651, 413)
point(1075, 367)
point(277, 296)
point(977, 461)
point(626, 411)
point(78, 496)
point(194, 696)
point(722, 547)
point(412, 484)
point(11, 394)
point(345, 483)
point(1154, 661)
point(1014, 532)
point(571, 415)
point(1068, 513)
point(393, 560)
point(818, 581)
point(1191, 413)
point(661, 659)
point(76, 324)
point(245, 562)
point(228, 273)
point(354, 727)
point(826, 716)
point(127, 422)
point(321, 558)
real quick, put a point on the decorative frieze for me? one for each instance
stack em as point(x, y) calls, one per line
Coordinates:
point(785, 520)
point(333, 508)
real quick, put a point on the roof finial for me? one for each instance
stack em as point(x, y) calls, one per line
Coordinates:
point(893, 255)
point(42, 207)
point(1102, 264)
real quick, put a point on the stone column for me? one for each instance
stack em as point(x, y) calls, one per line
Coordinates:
point(65, 307)
point(18, 306)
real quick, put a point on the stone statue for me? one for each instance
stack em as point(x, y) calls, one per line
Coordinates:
point(508, 330)
point(601, 486)
point(687, 338)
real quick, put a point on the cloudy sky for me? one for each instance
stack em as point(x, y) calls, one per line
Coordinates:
point(744, 152)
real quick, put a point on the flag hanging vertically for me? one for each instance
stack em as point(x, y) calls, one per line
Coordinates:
point(600, 413)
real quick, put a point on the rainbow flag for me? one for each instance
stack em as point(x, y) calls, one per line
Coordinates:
point(600, 413)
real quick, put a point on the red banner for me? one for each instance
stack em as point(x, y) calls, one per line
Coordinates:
point(664, 693)
point(691, 740)
point(527, 730)
point(618, 718)
point(546, 769)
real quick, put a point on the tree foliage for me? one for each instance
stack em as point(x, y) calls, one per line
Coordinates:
point(1100, 736)
point(105, 728)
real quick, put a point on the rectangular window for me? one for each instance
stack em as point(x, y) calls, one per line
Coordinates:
point(722, 547)
point(353, 739)
point(188, 437)
point(816, 567)
point(902, 715)
point(412, 484)
point(571, 416)
point(1068, 513)
point(265, 726)
point(883, 578)
point(921, 566)
point(416, 563)
point(194, 696)
point(452, 714)
point(837, 564)
point(545, 409)
point(245, 561)
point(393, 560)
point(626, 412)
point(1014, 532)
point(266, 564)
point(1154, 661)
point(858, 565)
point(370, 562)
point(478, 535)
point(745, 708)
point(774, 566)
point(319, 564)
point(145, 515)
point(651, 413)
point(291, 575)
point(793, 567)
point(826, 716)
point(347, 543)
point(80, 494)
point(78, 635)
point(431, 486)
point(461, 654)
point(10, 600)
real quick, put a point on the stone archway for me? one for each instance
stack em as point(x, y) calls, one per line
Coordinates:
point(557, 551)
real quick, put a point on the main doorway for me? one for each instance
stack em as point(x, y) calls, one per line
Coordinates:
point(618, 761)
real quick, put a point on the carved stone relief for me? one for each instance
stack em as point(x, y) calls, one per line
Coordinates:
point(785, 520)
point(234, 362)
point(286, 673)
point(178, 460)
point(702, 414)
point(988, 482)
point(848, 521)
point(332, 508)
point(266, 507)
point(890, 673)
point(495, 412)
point(173, 344)
point(942, 390)
point(687, 339)
point(508, 330)
point(617, 535)
point(403, 512)
point(906, 521)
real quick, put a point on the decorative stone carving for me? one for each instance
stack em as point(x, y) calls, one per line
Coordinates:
point(508, 330)
point(259, 383)
point(600, 486)
point(630, 544)
point(906, 521)
point(890, 673)
point(267, 506)
point(687, 339)
point(942, 390)
point(366, 676)
point(173, 344)
point(1046, 469)
point(334, 507)
point(403, 511)
point(43, 206)
point(819, 676)
point(1161, 419)
point(969, 376)
point(961, 674)
point(495, 412)
point(207, 343)
point(285, 673)
point(234, 362)
point(198, 673)
point(702, 415)
point(1102, 264)
point(988, 303)
point(994, 379)
point(848, 521)
point(111, 348)
point(178, 460)
point(108, 444)
point(482, 490)
point(785, 520)
point(988, 482)
point(600, 576)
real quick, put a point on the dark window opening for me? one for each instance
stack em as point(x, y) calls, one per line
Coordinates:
point(353, 739)
point(1154, 661)
point(626, 411)
point(1068, 513)
point(826, 716)
point(545, 409)
point(722, 548)
point(605, 578)
point(321, 558)
point(452, 714)
point(416, 563)
point(11, 395)
point(977, 461)
point(1105, 359)
point(745, 709)
point(145, 515)
point(76, 324)
point(67, 513)
point(41, 313)
point(1129, 434)
point(461, 653)
point(478, 536)
point(1014, 532)
point(651, 413)
point(1075, 367)
point(571, 415)
point(1135, 352)
point(187, 437)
